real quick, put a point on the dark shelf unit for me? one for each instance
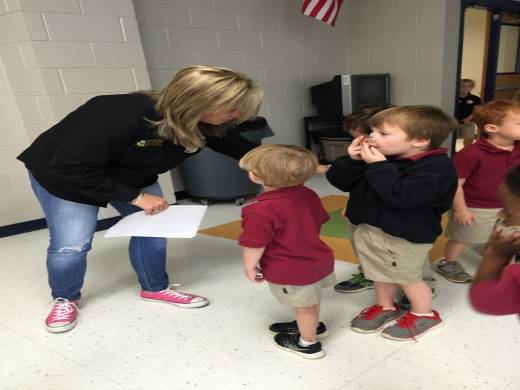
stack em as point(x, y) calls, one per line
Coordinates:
point(317, 127)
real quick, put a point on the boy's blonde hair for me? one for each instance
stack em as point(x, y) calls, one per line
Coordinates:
point(420, 122)
point(198, 90)
point(280, 166)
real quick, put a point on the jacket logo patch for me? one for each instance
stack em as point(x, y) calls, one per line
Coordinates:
point(149, 143)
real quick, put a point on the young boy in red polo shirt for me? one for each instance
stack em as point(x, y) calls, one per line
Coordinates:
point(481, 167)
point(496, 288)
point(281, 242)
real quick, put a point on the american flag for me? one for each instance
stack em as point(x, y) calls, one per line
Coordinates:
point(324, 10)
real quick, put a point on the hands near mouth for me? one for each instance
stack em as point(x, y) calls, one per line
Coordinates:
point(362, 148)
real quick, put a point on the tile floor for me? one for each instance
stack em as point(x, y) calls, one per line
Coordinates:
point(124, 343)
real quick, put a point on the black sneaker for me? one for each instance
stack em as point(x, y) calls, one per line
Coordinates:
point(356, 283)
point(292, 328)
point(289, 342)
point(404, 302)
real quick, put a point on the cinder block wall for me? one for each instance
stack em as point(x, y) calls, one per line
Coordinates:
point(16, 201)
point(56, 55)
point(416, 41)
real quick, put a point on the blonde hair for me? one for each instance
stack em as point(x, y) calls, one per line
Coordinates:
point(280, 166)
point(472, 82)
point(198, 90)
point(418, 122)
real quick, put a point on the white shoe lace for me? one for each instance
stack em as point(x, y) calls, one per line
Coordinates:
point(176, 293)
point(62, 309)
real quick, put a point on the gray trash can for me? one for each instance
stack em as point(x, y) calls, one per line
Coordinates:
point(210, 176)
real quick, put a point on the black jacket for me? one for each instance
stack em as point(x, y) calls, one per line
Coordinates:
point(106, 150)
point(402, 197)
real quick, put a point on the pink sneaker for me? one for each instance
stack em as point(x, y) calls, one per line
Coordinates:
point(63, 316)
point(174, 297)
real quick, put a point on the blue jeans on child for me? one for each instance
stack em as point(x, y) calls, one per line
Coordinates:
point(72, 226)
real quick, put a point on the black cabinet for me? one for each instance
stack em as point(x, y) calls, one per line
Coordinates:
point(318, 128)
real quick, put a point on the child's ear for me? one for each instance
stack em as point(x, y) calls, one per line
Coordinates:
point(490, 128)
point(421, 143)
point(254, 178)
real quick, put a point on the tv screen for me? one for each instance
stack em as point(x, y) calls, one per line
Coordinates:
point(346, 93)
point(326, 98)
point(369, 89)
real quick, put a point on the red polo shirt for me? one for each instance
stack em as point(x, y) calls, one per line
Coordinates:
point(484, 166)
point(498, 296)
point(287, 222)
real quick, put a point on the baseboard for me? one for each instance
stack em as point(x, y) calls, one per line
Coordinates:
point(37, 224)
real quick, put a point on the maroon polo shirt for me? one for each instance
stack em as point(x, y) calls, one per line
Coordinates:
point(498, 296)
point(484, 166)
point(287, 222)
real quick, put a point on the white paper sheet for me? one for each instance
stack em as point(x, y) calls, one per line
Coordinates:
point(175, 221)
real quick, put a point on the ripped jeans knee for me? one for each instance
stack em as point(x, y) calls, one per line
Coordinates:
point(80, 247)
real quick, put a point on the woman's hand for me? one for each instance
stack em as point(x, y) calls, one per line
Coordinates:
point(354, 149)
point(152, 204)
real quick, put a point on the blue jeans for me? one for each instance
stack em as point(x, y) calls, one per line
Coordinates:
point(72, 226)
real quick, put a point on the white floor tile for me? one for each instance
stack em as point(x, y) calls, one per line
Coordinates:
point(26, 365)
point(122, 342)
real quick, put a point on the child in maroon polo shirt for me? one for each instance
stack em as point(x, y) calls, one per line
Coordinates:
point(496, 288)
point(281, 242)
point(481, 168)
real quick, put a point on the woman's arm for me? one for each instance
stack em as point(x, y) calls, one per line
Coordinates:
point(232, 144)
point(92, 135)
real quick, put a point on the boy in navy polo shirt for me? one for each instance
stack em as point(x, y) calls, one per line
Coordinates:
point(464, 111)
point(481, 167)
point(400, 183)
point(281, 242)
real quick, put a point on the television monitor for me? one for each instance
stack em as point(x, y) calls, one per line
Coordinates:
point(348, 92)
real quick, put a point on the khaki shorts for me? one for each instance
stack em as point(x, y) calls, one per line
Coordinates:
point(427, 268)
point(301, 296)
point(466, 130)
point(476, 233)
point(389, 259)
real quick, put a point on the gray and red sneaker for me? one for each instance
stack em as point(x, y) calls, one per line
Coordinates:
point(411, 326)
point(373, 319)
point(174, 297)
point(63, 316)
